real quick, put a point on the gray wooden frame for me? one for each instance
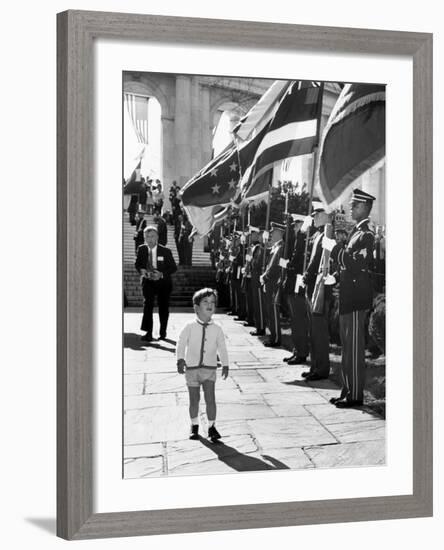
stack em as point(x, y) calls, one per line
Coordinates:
point(76, 32)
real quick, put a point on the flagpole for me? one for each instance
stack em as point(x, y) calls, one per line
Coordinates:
point(313, 173)
point(267, 218)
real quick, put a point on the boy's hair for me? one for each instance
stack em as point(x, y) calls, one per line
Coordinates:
point(203, 293)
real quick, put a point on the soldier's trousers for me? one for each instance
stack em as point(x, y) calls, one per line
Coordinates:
point(352, 330)
point(258, 305)
point(273, 318)
point(319, 341)
point(250, 303)
point(297, 307)
point(235, 296)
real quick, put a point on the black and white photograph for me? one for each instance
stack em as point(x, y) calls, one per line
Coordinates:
point(254, 238)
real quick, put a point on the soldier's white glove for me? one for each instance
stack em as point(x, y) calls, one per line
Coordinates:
point(329, 280)
point(306, 224)
point(283, 263)
point(261, 279)
point(328, 244)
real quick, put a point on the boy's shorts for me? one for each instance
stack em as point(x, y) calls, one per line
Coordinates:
point(196, 377)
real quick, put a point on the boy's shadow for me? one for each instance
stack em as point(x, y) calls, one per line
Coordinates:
point(239, 461)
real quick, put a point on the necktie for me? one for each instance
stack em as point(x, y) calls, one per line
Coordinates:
point(202, 344)
point(150, 259)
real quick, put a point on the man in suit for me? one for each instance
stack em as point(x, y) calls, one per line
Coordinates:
point(318, 322)
point(269, 279)
point(155, 264)
point(355, 297)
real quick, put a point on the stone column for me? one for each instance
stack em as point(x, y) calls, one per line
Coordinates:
point(207, 145)
point(168, 148)
point(196, 134)
point(182, 129)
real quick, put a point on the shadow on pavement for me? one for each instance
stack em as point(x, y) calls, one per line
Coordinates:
point(133, 341)
point(239, 461)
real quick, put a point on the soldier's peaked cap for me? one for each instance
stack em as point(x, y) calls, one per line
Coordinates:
point(275, 225)
point(361, 196)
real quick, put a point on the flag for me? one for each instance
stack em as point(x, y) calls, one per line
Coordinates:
point(137, 107)
point(134, 184)
point(352, 142)
point(293, 131)
point(217, 185)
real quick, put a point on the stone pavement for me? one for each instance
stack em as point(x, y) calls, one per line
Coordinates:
point(269, 417)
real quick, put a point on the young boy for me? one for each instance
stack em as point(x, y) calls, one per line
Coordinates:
point(200, 342)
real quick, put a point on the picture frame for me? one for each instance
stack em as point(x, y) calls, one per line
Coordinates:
point(76, 33)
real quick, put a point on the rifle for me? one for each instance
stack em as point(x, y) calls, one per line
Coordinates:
point(318, 298)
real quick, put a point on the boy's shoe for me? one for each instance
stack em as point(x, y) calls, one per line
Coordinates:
point(194, 433)
point(213, 433)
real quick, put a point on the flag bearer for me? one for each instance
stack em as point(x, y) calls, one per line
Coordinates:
point(355, 297)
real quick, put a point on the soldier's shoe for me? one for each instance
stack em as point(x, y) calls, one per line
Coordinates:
point(147, 338)
point(257, 332)
point(240, 318)
point(194, 432)
point(271, 344)
point(334, 400)
point(305, 374)
point(315, 376)
point(348, 403)
point(286, 359)
point(213, 434)
point(297, 360)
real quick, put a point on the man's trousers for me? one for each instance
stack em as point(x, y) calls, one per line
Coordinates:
point(352, 331)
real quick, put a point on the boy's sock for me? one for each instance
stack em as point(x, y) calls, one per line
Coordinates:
point(195, 421)
point(211, 423)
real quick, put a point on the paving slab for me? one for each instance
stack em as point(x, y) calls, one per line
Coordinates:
point(157, 424)
point(133, 378)
point(359, 431)
point(151, 400)
point(268, 387)
point(139, 468)
point(365, 453)
point(149, 450)
point(329, 414)
point(293, 459)
point(282, 433)
point(133, 389)
point(244, 411)
point(293, 398)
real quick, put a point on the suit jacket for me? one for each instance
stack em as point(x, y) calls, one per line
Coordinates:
point(162, 231)
point(354, 261)
point(165, 263)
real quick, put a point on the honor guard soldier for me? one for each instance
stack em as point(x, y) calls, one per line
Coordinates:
point(294, 294)
point(270, 280)
point(235, 273)
point(257, 259)
point(355, 297)
point(246, 278)
point(318, 322)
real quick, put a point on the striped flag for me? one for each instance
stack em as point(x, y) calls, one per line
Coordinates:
point(137, 107)
point(217, 185)
point(352, 142)
point(293, 131)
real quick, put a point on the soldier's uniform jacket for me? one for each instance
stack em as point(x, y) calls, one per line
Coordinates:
point(296, 264)
point(354, 261)
point(312, 270)
point(272, 272)
point(257, 254)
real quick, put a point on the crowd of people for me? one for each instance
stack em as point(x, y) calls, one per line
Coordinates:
point(150, 201)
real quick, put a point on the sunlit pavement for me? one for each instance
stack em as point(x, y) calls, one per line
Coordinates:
point(268, 415)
